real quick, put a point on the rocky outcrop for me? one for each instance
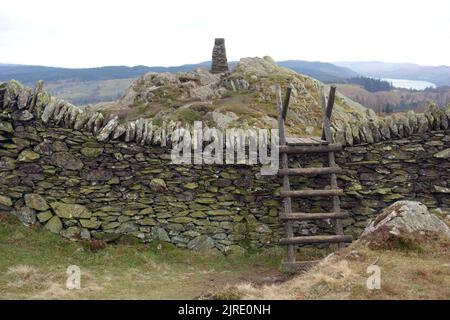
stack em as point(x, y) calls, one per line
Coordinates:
point(247, 92)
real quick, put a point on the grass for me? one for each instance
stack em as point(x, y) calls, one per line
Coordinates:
point(187, 116)
point(239, 110)
point(33, 264)
point(406, 273)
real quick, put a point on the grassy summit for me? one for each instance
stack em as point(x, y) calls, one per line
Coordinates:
point(245, 97)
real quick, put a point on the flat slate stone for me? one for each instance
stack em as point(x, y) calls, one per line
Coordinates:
point(67, 161)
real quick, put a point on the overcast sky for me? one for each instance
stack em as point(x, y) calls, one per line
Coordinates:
point(80, 33)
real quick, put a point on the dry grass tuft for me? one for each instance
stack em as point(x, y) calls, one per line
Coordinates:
point(33, 265)
point(30, 282)
point(405, 274)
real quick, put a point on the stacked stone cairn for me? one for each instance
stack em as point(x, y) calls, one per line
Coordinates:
point(219, 57)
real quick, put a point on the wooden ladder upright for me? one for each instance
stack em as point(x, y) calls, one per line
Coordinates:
point(322, 144)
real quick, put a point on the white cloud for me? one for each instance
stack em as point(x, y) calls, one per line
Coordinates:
point(92, 33)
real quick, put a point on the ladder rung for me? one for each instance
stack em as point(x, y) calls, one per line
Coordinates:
point(311, 149)
point(312, 193)
point(298, 265)
point(308, 171)
point(317, 239)
point(301, 216)
point(307, 141)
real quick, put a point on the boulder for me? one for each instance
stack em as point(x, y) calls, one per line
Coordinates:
point(406, 217)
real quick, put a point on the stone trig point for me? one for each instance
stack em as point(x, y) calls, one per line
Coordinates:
point(219, 57)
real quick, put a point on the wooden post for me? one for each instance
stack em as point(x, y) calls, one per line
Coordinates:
point(287, 204)
point(327, 111)
point(287, 98)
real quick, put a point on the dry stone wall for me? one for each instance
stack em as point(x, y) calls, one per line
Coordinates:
point(61, 167)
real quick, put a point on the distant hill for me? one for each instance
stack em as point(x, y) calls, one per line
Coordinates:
point(323, 71)
point(30, 74)
point(438, 75)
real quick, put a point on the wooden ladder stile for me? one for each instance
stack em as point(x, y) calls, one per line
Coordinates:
point(287, 204)
point(327, 109)
point(322, 144)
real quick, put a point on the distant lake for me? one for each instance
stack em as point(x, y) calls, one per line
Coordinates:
point(410, 84)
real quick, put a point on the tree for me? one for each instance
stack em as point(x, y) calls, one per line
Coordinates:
point(370, 84)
